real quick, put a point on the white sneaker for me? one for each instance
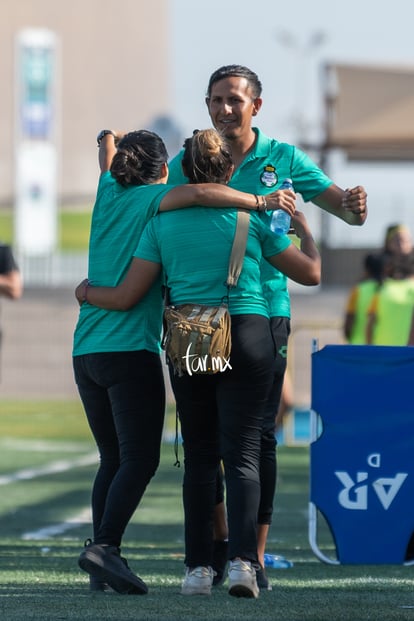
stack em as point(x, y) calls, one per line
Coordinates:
point(197, 581)
point(242, 579)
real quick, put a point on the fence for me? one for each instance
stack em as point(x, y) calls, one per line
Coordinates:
point(54, 270)
point(36, 350)
point(296, 426)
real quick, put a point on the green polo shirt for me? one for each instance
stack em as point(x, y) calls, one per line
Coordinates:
point(262, 172)
point(194, 247)
point(119, 217)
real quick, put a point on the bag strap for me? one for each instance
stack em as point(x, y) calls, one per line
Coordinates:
point(238, 251)
point(239, 248)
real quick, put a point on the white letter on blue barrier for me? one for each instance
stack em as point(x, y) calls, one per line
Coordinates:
point(374, 460)
point(360, 491)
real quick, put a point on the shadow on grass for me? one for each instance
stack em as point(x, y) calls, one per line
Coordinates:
point(41, 579)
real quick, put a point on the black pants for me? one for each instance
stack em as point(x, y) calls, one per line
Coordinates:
point(222, 417)
point(124, 399)
point(280, 327)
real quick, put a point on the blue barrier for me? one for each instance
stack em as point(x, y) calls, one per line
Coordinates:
point(362, 464)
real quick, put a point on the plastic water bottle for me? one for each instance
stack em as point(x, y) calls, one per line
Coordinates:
point(277, 561)
point(280, 221)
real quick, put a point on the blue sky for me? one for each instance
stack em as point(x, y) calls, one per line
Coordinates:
point(206, 35)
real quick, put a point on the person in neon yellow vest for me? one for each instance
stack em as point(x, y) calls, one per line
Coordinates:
point(360, 299)
point(390, 312)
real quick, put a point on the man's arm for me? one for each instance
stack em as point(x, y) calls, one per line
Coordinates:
point(349, 319)
point(369, 328)
point(349, 205)
point(11, 285)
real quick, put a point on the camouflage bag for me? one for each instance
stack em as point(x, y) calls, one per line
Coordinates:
point(197, 338)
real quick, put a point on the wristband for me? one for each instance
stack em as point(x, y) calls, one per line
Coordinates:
point(260, 206)
point(103, 133)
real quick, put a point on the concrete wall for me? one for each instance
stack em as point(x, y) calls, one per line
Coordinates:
point(114, 73)
point(36, 361)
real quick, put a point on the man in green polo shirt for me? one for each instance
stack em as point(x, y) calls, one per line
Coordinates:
point(261, 164)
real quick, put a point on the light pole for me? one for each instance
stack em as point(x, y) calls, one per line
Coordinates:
point(302, 51)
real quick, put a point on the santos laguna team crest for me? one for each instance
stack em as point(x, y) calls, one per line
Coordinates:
point(269, 176)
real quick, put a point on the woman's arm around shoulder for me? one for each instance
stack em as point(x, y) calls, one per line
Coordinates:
point(137, 282)
point(221, 195)
point(301, 265)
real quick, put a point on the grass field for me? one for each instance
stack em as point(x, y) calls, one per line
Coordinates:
point(73, 227)
point(47, 464)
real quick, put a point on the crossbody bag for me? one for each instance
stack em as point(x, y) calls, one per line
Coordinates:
point(197, 337)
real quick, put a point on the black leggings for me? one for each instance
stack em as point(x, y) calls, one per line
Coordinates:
point(221, 417)
point(124, 399)
point(280, 327)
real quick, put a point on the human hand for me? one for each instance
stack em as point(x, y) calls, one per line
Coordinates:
point(355, 201)
point(282, 199)
point(80, 291)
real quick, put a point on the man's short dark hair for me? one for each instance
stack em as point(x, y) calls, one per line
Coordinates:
point(238, 71)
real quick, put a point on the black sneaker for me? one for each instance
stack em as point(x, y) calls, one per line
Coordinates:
point(220, 550)
point(95, 584)
point(262, 580)
point(105, 563)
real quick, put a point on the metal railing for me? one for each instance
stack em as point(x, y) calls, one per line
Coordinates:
point(54, 270)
